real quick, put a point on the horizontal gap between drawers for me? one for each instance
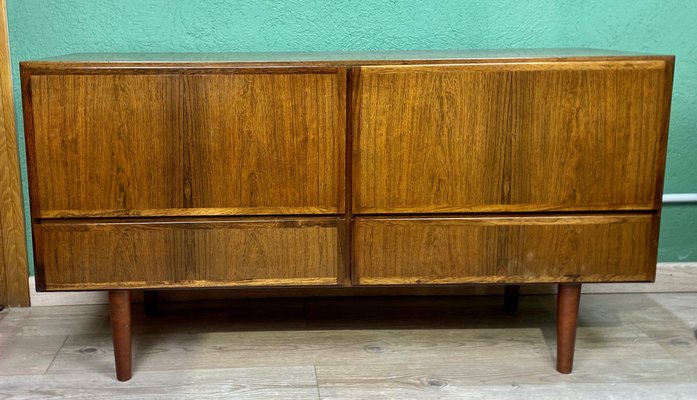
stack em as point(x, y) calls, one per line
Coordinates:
point(504, 214)
point(279, 217)
point(192, 219)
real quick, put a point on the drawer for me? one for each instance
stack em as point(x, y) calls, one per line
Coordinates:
point(204, 253)
point(534, 249)
point(222, 142)
point(510, 137)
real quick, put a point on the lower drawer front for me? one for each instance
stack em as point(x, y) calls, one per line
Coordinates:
point(607, 248)
point(97, 255)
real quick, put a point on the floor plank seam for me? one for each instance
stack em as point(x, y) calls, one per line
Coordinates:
point(56, 355)
point(319, 395)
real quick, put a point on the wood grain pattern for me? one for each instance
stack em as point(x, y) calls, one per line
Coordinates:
point(510, 137)
point(592, 248)
point(662, 145)
point(105, 143)
point(211, 253)
point(169, 145)
point(266, 140)
point(3, 275)
point(14, 270)
point(3, 133)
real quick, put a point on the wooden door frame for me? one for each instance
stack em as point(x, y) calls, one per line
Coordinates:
point(14, 274)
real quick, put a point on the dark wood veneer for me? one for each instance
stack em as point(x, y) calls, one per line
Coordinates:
point(513, 249)
point(200, 253)
point(169, 145)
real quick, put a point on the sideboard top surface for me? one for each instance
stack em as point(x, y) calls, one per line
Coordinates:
point(394, 57)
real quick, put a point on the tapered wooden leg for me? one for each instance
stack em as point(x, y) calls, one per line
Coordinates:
point(120, 310)
point(150, 301)
point(568, 299)
point(510, 298)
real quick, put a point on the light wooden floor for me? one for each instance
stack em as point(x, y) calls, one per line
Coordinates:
point(630, 346)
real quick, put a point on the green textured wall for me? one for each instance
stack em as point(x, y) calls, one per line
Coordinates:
point(42, 28)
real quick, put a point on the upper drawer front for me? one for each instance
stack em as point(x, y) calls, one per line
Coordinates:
point(510, 137)
point(230, 142)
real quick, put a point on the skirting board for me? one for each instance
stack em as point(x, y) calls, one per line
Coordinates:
point(670, 277)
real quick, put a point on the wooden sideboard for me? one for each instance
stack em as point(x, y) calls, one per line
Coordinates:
point(345, 170)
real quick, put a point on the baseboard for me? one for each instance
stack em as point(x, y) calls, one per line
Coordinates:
point(670, 278)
